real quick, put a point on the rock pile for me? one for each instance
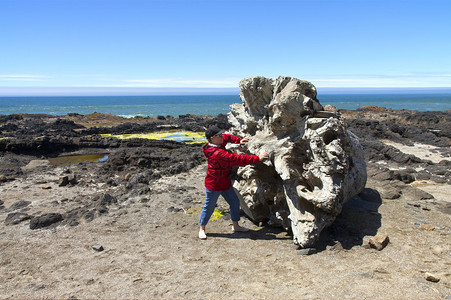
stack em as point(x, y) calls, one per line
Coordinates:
point(315, 164)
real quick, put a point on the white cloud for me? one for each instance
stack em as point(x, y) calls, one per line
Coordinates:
point(319, 80)
point(22, 77)
point(392, 80)
point(184, 83)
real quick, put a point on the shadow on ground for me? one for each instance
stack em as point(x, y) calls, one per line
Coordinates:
point(359, 218)
point(264, 233)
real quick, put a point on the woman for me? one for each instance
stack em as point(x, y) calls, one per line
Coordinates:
point(217, 181)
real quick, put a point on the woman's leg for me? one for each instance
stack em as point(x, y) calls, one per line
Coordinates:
point(210, 203)
point(234, 202)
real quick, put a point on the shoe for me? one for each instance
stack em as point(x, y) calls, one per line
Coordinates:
point(202, 235)
point(240, 229)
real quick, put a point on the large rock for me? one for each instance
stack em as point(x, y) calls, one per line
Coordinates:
point(315, 164)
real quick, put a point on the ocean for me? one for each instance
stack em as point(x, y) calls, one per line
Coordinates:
point(175, 105)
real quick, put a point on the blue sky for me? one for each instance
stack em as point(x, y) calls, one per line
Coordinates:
point(215, 43)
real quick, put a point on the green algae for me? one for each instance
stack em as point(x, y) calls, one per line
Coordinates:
point(189, 137)
point(67, 160)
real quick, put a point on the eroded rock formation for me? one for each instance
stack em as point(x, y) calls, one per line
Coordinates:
point(315, 164)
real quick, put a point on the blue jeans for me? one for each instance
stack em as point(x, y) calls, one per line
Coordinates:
point(210, 204)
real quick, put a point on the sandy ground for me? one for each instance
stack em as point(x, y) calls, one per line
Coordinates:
point(151, 249)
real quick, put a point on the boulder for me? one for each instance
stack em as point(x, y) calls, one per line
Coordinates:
point(315, 163)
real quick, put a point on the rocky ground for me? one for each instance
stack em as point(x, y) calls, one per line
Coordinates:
point(127, 227)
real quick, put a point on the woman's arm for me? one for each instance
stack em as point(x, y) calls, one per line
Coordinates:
point(228, 159)
point(228, 138)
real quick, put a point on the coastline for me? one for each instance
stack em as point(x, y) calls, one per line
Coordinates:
point(142, 204)
point(213, 104)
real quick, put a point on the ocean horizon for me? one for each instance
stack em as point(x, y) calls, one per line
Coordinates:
point(213, 102)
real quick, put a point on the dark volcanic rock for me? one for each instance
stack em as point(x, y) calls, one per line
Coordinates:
point(169, 158)
point(432, 127)
point(16, 218)
point(105, 200)
point(10, 165)
point(19, 204)
point(45, 220)
point(140, 178)
point(67, 179)
point(27, 125)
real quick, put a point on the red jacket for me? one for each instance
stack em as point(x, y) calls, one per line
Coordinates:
point(220, 161)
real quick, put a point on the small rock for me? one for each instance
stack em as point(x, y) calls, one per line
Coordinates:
point(431, 277)
point(172, 209)
point(428, 227)
point(383, 176)
point(63, 181)
point(366, 246)
point(422, 175)
point(406, 176)
point(438, 179)
point(295, 246)
point(16, 218)
point(98, 248)
point(46, 187)
point(422, 195)
point(145, 200)
point(337, 247)
point(307, 251)
point(66, 171)
point(390, 193)
point(105, 200)
point(3, 178)
point(413, 204)
point(127, 176)
point(379, 241)
point(329, 107)
point(19, 204)
point(72, 179)
point(45, 220)
point(111, 182)
point(40, 287)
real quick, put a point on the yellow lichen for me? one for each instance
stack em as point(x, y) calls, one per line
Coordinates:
point(189, 137)
point(217, 214)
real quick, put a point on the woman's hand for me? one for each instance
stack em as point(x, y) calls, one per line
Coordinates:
point(263, 155)
point(244, 141)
